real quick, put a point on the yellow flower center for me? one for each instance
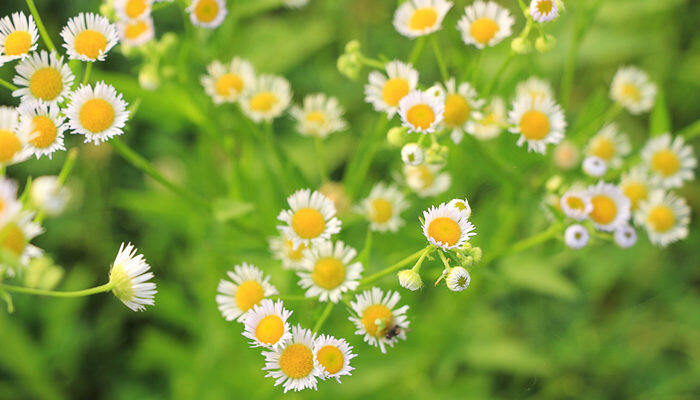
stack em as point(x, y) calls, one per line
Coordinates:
point(2, 205)
point(206, 10)
point(484, 29)
point(123, 287)
point(249, 294)
point(661, 218)
point(460, 205)
point(544, 6)
point(46, 129)
point(228, 83)
point(328, 273)
point(394, 90)
point(90, 43)
point(604, 209)
point(534, 125)
point(575, 203)
point(295, 254)
point(9, 145)
point(134, 8)
point(96, 115)
point(46, 83)
point(421, 116)
point(18, 43)
point(297, 361)
point(665, 162)
point(135, 29)
point(444, 230)
point(372, 314)
point(426, 176)
point(317, 117)
point(635, 191)
point(263, 101)
point(631, 91)
point(270, 329)
point(423, 18)
point(330, 358)
point(456, 110)
point(12, 239)
point(381, 211)
point(603, 147)
point(308, 223)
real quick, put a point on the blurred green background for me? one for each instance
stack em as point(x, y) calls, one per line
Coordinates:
point(547, 323)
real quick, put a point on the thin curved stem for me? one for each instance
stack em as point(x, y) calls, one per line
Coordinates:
point(440, 60)
point(417, 50)
point(420, 254)
point(321, 159)
point(324, 316)
point(41, 292)
point(527, 243)
point(8, 85)
point(39, 24)
point(86, 74)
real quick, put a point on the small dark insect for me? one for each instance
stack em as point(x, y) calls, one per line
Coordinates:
point(393, 331)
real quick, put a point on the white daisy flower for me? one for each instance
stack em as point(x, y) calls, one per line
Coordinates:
point(266, 325)
point(625, 236)
point(46, 127)
point(225, 83)
point(42, 78)
point(410, 279)
point(136, 32)
point(492, 121)
point(294, 365)
point(462, 205)
point(99, 113)
point(427, 180)
point(610, 207)
point(207, 13)
point(267, 98)
point(635, 186)
point(594, 166)
point(14, 137)
point(576, 236)
point(16, 232)
point(333, 356)
point(329, 271)
point(566, 155)
point(9, 205)
point(130, 276)
point(539, 121)
point(669, 160)
point(416, 18)
point(376, 318)
point(576, 204)
point(48, 195)
point(632, 88)
point(295, 3)
point(535, 87)
point(458, 279)
point(383, 207)
point(412, 154)
point(461, 107)
point(18, 36)
point(609, 145)
point(319, 116)
point(247, 288)
point(446, 227)
point(544, 10)
point(89, 37)
point(311, 218)
point(385, 92)
point(283, 249)
point(665, 217)
point(485, 24)
point(132, 9)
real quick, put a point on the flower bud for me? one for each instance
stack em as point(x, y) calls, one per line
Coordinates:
point(349, 66)
point(458, 279)
point(436, 154)
point(352, 47)
point(477, 253)
point(148, 77)
point(553, 183)
point(521, 45)
point(412, 154)
point(543, 44)
point(397, 136)
point(410, 279)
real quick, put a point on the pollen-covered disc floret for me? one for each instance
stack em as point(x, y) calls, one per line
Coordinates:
point(14, 137)
point(98, 113)
point(333, 356)
point(632, 89)
point(18, 36)
point(136, 32)
point(207, 13)
point(576, 236)
point(89, 37)
point(310, 218)
point(446, 227)
point(576, 204)
point(383, 207)
point(225, 83)
point(492, 121)
point(669, 160)
point(42, 77)
point(283, 249)
point(320, 116)
point(610, 206)
point(665, 217)
point(385, 92)
point(485, 24)
point(266, 325)
point(625, 236)
point(461, 105)
point(457, 279)
point(427, 180)
point(267, 98)
point(130, 276)
point(609, 145)
point(416, 18)
point(544, 10)
point(293, 364)
point(247, 287)
point(46, 128)
point(329, 270)
point(538, 121)
point(377, 320)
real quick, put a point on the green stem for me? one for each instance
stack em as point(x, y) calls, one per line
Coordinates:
point(494, 81)
point(444, 259)
point(691, 131)
point(361, 161)
point(62, 177)
point(371, 62)
point(419, 263)
point(41, 292)
point(440, 59)
point(324, 316)
point(417, 50)
point(321, 158)
point(420, 254)
point(8, 85)
point(42, 30)
point(527, 243)
point(477, 65)
point(367, 249)
point(86, 75)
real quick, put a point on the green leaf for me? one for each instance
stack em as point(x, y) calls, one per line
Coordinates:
point(227, 209)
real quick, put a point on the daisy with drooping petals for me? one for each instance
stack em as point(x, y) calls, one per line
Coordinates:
point(632, 88)
point(130, 276)
point(283, 249)
point(319, 116)
point(246, 289)
point(485, 24)
point(539, 121)
point(383, 207)
point(635, 186)
point(544, 10)
point(421, 112)
point(420, 17)
point(46, 127)
point(207, 13)
point(412, 154)
point(14, 137)
point(665, 217)
point(9, 205)
point(461, 107)
point(426, 179)
point(42, 78)
point(446, 227)
point(576, 236)
point(375, 316)
point(534, 87)
point(462, 205)
point(457, 279)
point(329, 271)
point(576, 204)
point(99, 113)
point(136, 32)
point(225, 83)
point(669, 160)
point(385, 92)
point(88, 37)
point(18, 36)
point(132, 9)
point(266, 325)
point(294, 365)
point(267, 98)
point(16, 232)
point(333, 356)
point(625, 236)
point(610, 207)
point(311, 218)
point(491, 123)
point(609, 145)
